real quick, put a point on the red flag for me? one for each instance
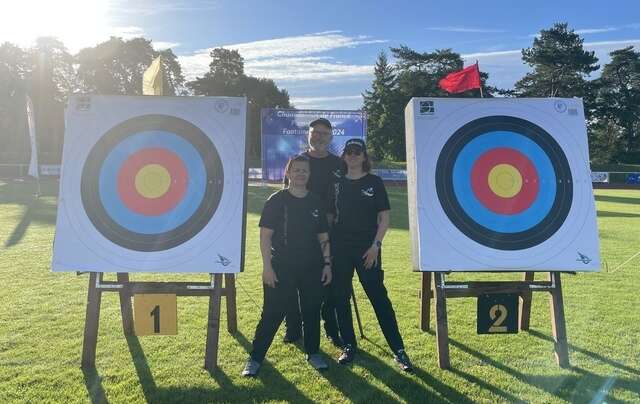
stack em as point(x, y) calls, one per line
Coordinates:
point(462, 80)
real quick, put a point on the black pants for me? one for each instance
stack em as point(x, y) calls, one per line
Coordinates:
point(346, 259)
point(292, 280)
point(293, 319)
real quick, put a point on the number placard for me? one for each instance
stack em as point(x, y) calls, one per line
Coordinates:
point(498, 314)
point(155, 314)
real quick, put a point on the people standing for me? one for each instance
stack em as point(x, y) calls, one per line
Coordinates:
point(361, 208)
point(296, 258)
point(326, 168)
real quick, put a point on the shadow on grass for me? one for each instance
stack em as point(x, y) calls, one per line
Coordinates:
point(404, 385)
point(37, 211)
point(591, 354)
point(145, 376)
point(617, 199)
point(273, 385)
point(437, 385)
point(606, 213)
point(352, 386)
point(93, 382)
point(570, 387)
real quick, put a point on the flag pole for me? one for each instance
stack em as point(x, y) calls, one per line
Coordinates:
point(34, 169)
point(478, 67)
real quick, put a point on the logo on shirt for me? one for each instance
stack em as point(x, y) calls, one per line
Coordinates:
point(315, 213)
point(337, 173)
point(367, 192)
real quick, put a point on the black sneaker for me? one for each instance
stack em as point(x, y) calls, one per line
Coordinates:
point(291, 338)
point(402, 359)
point(348, 355)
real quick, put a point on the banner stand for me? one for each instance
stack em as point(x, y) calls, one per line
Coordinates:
point(441, 290)
point(126, 289)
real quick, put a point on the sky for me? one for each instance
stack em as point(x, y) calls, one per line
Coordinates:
point(323, 52)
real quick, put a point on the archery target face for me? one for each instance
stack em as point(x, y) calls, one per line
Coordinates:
point(152, 184)
point(501, 185)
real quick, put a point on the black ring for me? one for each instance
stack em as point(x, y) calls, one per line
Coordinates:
point(160, 241)
point(487, 237)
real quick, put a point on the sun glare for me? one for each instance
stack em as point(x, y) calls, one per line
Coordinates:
point(77, 23)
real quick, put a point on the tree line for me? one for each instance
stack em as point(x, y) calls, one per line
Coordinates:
point(48, 73)
point(560, 67)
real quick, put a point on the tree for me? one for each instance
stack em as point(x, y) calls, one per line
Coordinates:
point(415, 75)
point(15, 68)
point(384, 133)
point(226, 70)
point(53, 78)
point(560, 65)
point(226, 77)
point(616, 110)
point(117, 66)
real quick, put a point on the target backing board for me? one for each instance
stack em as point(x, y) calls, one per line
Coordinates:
point(500, 185)
point(152, 184)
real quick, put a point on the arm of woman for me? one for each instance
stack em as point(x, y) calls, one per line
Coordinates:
point(323, 238)
point(371, 255)
point(269, 277)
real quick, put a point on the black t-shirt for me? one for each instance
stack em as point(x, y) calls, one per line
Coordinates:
point(296, 223)
point(356, 204)
point(325, 171)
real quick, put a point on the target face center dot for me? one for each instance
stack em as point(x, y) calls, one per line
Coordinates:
point(505, 180)
point(152, 181)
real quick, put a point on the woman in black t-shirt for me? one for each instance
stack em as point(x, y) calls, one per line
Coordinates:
point(294, 243)
point(361, 218)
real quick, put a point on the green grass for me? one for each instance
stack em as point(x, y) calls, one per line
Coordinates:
point(616, 167)
point(42, 317)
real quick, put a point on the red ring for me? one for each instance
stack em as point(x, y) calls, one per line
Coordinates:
point(480, 181)
point(152, 206)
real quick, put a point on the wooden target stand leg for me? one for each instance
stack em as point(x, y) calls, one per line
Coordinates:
point(525, 288)
point(126, 289)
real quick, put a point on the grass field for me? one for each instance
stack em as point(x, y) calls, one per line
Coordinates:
point(42, 317)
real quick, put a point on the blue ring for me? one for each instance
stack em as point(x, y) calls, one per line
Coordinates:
point(135, 222)
point(481, 214)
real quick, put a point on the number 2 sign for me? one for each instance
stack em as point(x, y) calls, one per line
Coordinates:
point(155, 314)
point(498, 314)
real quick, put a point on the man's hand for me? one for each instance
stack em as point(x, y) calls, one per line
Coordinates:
point(326, 275)
point(371, 257)
point(269, 277)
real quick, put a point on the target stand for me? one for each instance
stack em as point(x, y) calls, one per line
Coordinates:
point(126, 289)
point(435, 286)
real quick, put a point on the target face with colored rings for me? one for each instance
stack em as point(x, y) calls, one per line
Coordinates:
point(152, 183)
point(504, 182)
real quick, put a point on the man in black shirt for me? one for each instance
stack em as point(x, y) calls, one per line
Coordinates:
point(326, 169)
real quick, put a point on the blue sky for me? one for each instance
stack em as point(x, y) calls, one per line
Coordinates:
point(323, 52)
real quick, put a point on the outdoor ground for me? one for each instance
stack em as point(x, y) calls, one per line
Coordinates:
point(42, 317)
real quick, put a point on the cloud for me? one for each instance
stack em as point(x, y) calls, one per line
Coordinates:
point(160, 45)
point(585, 31)
point(301, 45)
point(465, 29)
point(333, 102)
point(127, 32)
point(153, 7)
point(295, 58)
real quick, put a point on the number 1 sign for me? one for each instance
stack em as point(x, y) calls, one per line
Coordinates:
point(155, 314)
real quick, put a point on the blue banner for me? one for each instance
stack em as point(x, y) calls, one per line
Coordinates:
point(284, 134)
